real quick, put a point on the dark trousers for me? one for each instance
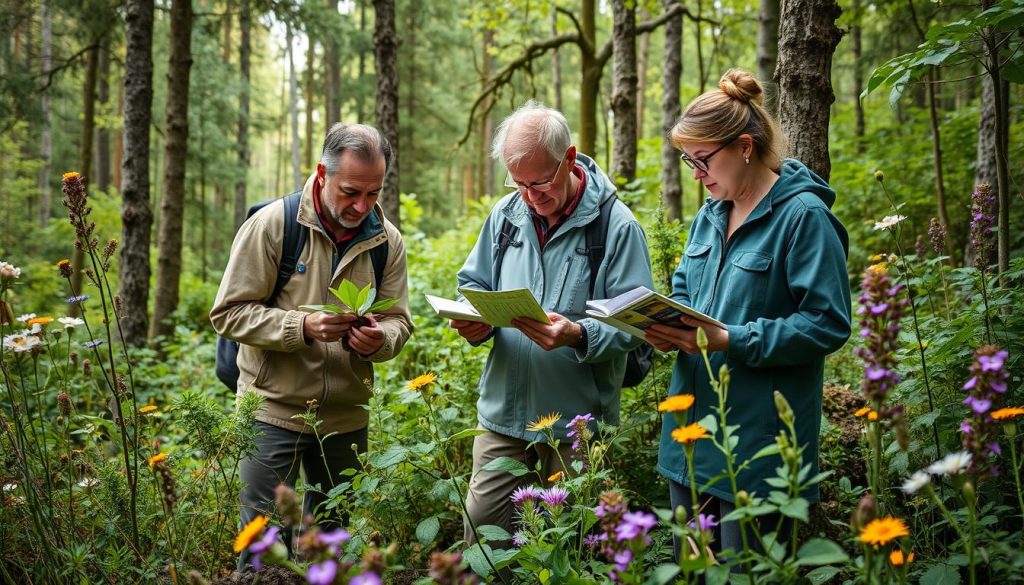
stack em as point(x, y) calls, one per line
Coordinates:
point(726, 534)
point(278, 458)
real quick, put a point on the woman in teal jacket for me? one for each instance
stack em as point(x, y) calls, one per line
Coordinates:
point(766, 257)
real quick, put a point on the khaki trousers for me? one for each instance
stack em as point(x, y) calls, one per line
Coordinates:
point(489, 498)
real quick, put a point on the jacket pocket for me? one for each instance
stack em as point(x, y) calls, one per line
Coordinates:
point(574, 282)
point(697, 255)
point(748, 280)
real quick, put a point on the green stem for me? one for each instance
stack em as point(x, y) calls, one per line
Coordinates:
point(1016, 474)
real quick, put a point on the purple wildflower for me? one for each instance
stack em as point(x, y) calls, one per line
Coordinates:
point(261, 546)
point(554, 497)
point(93, 344)
point(985, 388)
point(634, 524)
point(526, 493)
point(332, 540)
point(324, 573)
point(520, 538)
point(367, 578)
point(594, 540)
point(579, 429)
point(938, 235)
point(881, 308)
point(705, 521)
point(983, 221)
point(78, 299)
point(622, 559)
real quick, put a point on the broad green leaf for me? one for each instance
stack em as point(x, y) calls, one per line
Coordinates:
point(325, 308)
point(1013, 72)
point(474, 555)
point(818, 551)
point(426, 531)
point(822, 575)
point(665, 573)
point(941, 575)
point(507, 464)
point(362, 298)
point(382, 305)
point(489, 532)
point(796, 508)
point(393, 456)
point(766, 451)
point(465, 433)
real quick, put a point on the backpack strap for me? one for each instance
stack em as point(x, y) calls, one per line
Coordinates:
point(295, 236)
point(508, 232)
point(597, 236)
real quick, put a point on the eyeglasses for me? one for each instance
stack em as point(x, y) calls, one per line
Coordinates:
point(541, 186)
point(701, 163)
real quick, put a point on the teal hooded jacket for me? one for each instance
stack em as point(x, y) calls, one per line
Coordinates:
point(780, 285)
point(521, 381)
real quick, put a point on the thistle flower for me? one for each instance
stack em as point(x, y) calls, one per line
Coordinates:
point(937, 233)
point(520, 539)
point(880, 309)
point(64, 268)
point(985, 388)
point(526, 493)
point(63, 403)
point(883, 531)
point(983, 221)
point(554, 497)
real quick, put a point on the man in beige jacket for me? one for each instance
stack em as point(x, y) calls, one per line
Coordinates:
point(296, 359)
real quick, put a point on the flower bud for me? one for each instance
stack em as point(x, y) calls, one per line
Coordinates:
point(863, 514)
point(879, 176)
point(784, 409)
point(63, 403)
point(287, 505)
point(969, 493)
point(742, 499)
point(681, 515)
point(86, 366)
point(723, 375)
point(702, 339)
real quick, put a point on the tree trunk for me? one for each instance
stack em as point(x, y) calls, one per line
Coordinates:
point(46, 132)
point(671, 185)
point(293, 111)
point(484, 162)
point(332, 60)
point(102, 159)
point(808, 38)
point(1001, 131)
point(175, 154)
point(309, 97)
point(85, 160)
point(136, 216)
point(590, 81)
point(624, 84)
point(641, 70)
point(226, 45)
point(940, 188)
point(985, 157)
point(244, 57)
point(768, 50)
point(410, 32)
point(556, 65)
point(858, 76)
point(361, 114)
point(385, 44)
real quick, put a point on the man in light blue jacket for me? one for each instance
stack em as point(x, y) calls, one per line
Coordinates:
point(574, 365)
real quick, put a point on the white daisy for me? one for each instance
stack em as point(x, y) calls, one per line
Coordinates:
point(916, 482)
point(70, 322)
point(951, 464)
point(24, 318)
point(9, 271)
point(889, 221)
point(20, 342)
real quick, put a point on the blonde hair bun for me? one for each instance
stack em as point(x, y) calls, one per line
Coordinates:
point(741, 85)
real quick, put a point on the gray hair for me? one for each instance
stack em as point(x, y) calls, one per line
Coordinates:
point(366, 141)
point(544, 126)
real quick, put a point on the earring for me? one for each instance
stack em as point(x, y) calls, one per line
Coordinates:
point(746, 160)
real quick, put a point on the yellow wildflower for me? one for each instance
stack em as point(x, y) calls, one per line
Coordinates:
point(555, 476)
point(250, 532)
point(880, 267)
point(1008, 413)
point(421, 381)
point(677, 403)
point(71, 176)
point(157, 459)
point(883, 531)
point(544, 423)
point(690, 434)
point(147, 409)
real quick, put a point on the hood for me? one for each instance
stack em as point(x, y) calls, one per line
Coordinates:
point(796, 178)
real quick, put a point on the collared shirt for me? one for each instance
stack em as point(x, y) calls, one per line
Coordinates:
point(544, 231)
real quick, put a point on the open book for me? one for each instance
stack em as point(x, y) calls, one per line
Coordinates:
point(496, 308)
point(636, 310)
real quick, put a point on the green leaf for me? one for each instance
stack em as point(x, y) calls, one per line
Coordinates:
point(325, 308)
point(465, 433)
point(766, 451)
point(364, 307)
point(936, 56)
point(717, 575)
point(393, 456)
point(362, 297)
point(822, 575)
point(941, 574)
point(426, 531)
point(474, 555)
point(665, 573)
point(492, 533)
point(508, 465)
point(796, 508)
point(819, 551)
point(382, 305)
point(1013, 72)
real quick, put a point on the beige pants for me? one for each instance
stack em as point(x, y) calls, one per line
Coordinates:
point(489, 498)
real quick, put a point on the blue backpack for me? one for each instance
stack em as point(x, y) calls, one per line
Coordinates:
point(295, 237)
